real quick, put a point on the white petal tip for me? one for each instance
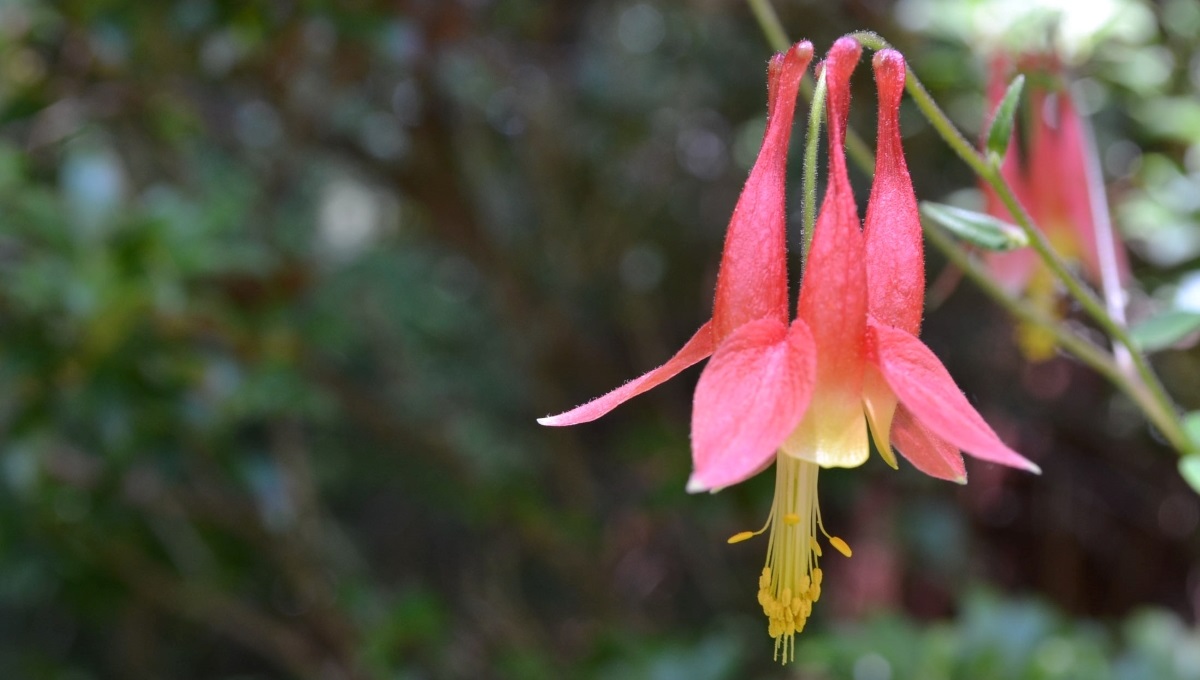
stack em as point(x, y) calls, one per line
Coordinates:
point(695, 486)
point(548, 421)
point(960, 480)
point(1032, 467)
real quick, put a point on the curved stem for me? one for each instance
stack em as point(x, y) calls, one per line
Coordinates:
point(1086, 351)
point(1162, 410)
point(772, 28)
point(1143, 385)
point(812, 143)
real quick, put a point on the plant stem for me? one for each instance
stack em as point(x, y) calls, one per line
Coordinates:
point(1162, 412)
point(1110, 272)
point(1086, 351)
point(1143, 385)
point(812, 143)
point(772, 28)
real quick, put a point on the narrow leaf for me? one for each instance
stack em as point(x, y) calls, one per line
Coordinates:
point(1166, 329)
point(1189, 469)
point(978, 228)
point(1001, 130)
point(1191, 426)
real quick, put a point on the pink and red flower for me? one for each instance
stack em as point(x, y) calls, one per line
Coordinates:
point(801, 392)
point(1053, 185)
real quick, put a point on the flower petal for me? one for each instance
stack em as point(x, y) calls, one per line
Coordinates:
point(751, 395)
point(833, 300)
point(752, 281)
point(696, 349)
point(927, 452)
point(895, 254)
point(879, 403)
point(833, 432)
point(1062, 160)
point(926, 389)
point(1012, 270)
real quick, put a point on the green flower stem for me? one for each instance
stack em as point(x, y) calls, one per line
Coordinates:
point(771, 26)
point(812, 143)
point(1164, 414)
point(1144, 386)
point(1086, 351)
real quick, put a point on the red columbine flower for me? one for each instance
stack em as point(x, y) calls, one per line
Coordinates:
point(1054, 187)
point(801, 393)
point(862, 297)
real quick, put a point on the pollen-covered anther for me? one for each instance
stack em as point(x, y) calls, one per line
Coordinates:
point(741, 536)
point(840, 546)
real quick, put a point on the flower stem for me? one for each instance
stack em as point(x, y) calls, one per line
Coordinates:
point(1086, 351)
point(1143, 385)
point(1110, 271)
point(772, 28)
point(1158, 405)
point(812, 143)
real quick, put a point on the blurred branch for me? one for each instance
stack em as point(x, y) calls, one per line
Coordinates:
point(294, 551)
point(216, 610)
point(1085, 350)
point(772, 28)
point(301, 556)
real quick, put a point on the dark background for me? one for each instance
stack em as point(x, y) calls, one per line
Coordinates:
point(284, 285)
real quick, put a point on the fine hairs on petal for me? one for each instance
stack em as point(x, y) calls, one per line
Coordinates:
point(697, 349)
point(833, 298)
point(926, 389)
point(752, 279)
point(895, 253)
point(750, 397)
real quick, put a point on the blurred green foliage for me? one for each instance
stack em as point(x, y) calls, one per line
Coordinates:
point(283, 286)
point(1018, 639)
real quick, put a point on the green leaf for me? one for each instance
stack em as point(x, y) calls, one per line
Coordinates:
point(978, 228)
point(1191, 426)
point(1166, 329)
point(1189, 469)
point(1001, 130)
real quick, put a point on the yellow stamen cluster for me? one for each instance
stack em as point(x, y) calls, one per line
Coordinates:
point(791, 580)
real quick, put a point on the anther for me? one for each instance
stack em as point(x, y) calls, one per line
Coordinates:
point(742, 536)
point(840, 546)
